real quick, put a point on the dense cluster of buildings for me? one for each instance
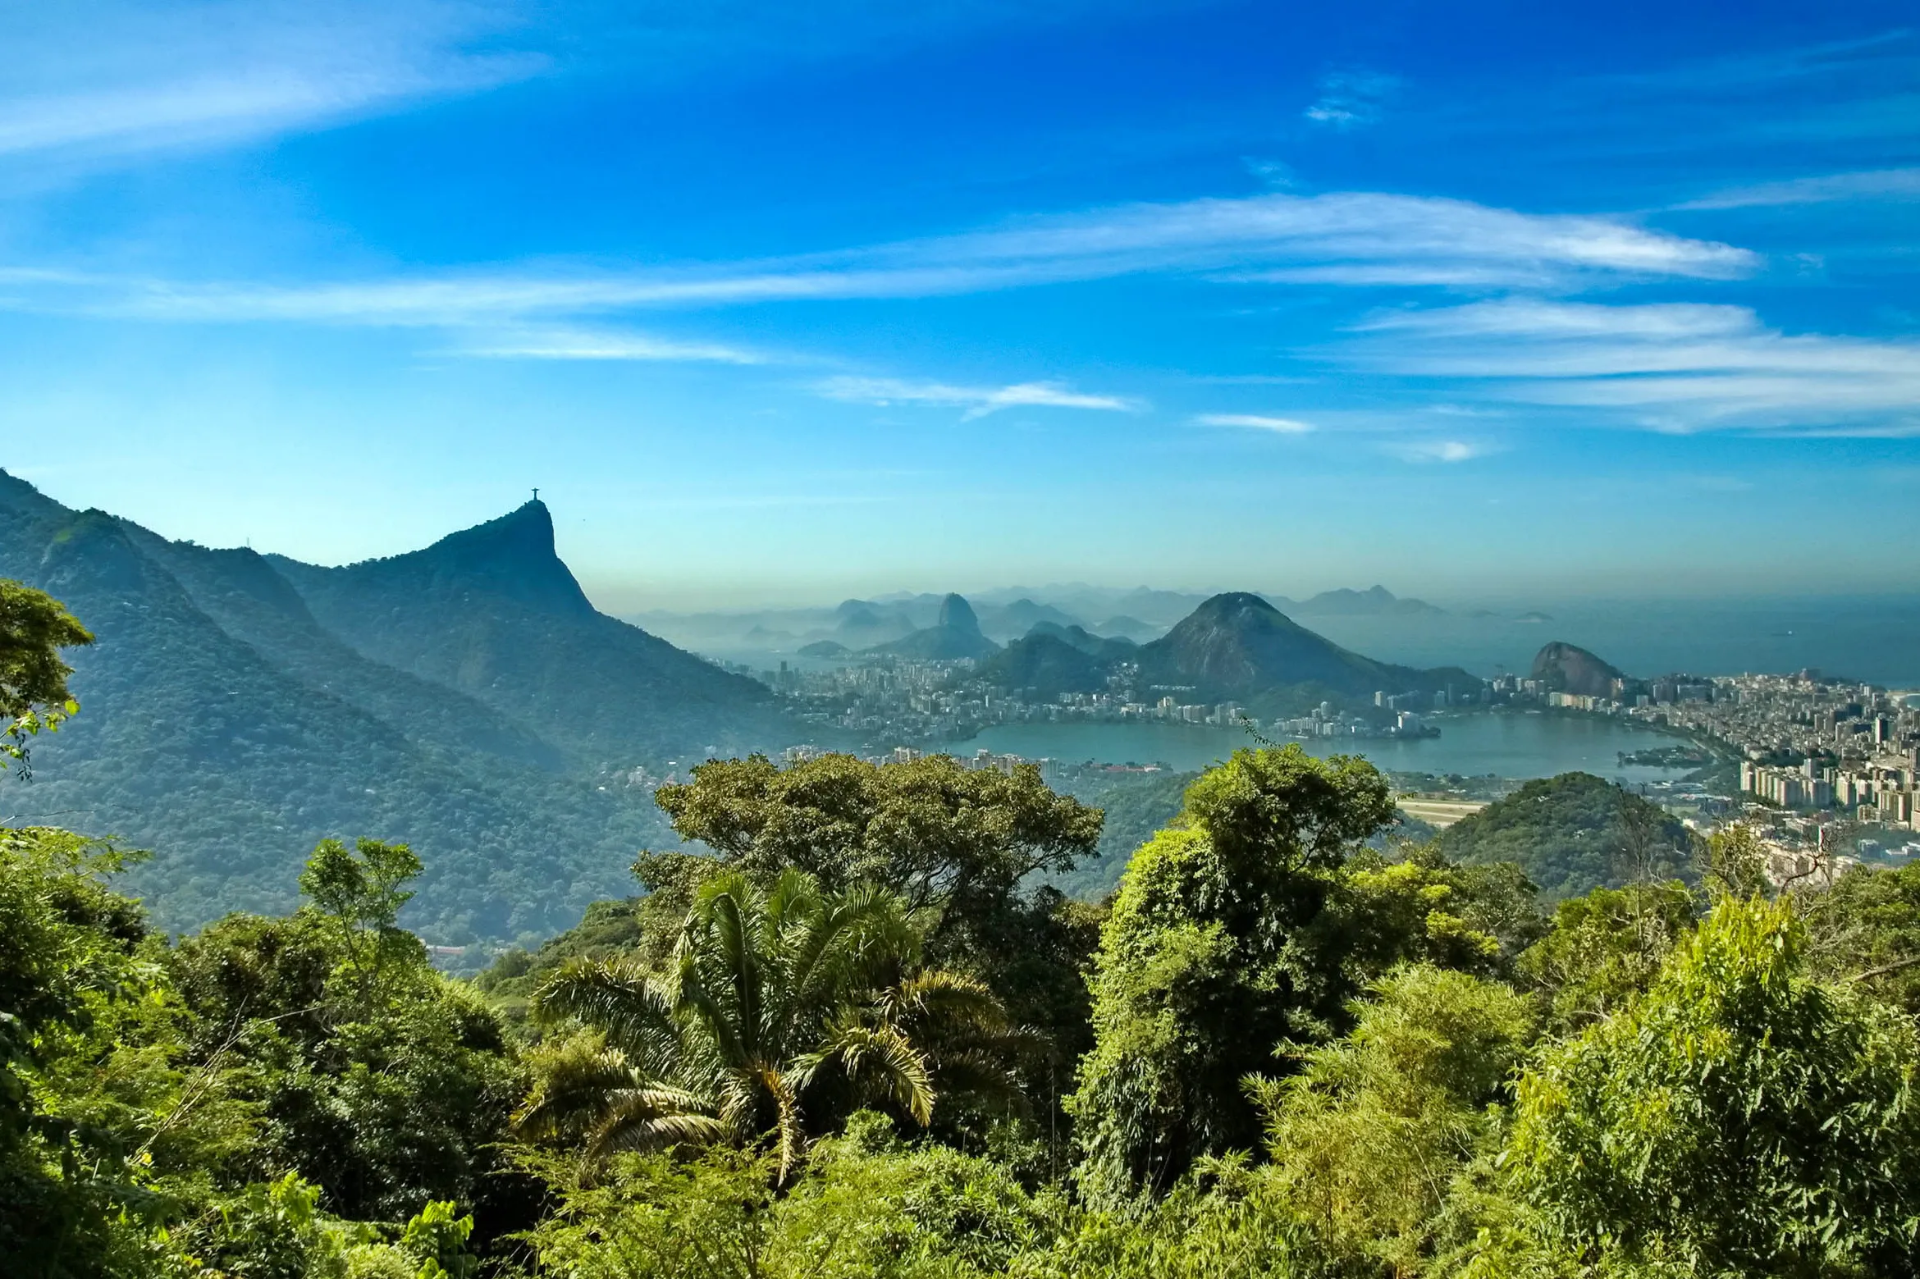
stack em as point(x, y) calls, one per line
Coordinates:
point(1808, 743)
point(1325, 721)
point(1872, 792)
point(1813, 754)
point(1823, 765)
point(1804, 743)
point(933, 701)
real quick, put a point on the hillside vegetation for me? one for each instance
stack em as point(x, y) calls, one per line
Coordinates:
point(1301, 1060)
point(464, 699)
point(1571, 834)
point(864, 1038)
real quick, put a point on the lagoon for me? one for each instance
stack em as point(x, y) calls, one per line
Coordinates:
point(1516, 744)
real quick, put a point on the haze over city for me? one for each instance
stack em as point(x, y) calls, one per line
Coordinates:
point(779, 305)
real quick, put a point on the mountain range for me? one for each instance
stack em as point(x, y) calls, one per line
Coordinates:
point(1004, 615)
point(1233, 646)
point(465, 698)
point(468, 699)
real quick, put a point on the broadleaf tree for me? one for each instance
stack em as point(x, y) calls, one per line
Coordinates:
point(34, 627)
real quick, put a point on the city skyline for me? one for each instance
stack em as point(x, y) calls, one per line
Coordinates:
point(777, 310)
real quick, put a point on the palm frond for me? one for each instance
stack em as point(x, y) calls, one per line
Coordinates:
point(572, 1085)
point(739, 1095)
point(620, 998)
point(879, 1060)
point(722, 942)
point(721, 1030)
point(940, 994)
point(774, 985)
point(793, 894)
point(979, 1076)
point(862, 937)
point(786, 1099)
point(640, 1128)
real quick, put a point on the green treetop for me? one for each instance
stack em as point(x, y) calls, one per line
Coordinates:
point(1742, 1117)
point(34, 627)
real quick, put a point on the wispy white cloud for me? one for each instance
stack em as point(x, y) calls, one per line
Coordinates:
point(1349, 99)
point(1256, 422)
point(1402, 238)
point(1676, 367)
point(1276, 175)
point(978, 401)
point(1541, 320)
point(1353, 238)
point(591, 344)
point(1420, 450)
point(86, 81)
point(1872, 184)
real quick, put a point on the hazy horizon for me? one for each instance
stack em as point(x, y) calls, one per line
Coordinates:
point(621, 595)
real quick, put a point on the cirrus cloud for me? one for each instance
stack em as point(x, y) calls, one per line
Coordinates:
point(1669, 366)
point(91, 81)
point(978, 401)
point(1439, 450)
point(1344, 238)
point(1256, 422)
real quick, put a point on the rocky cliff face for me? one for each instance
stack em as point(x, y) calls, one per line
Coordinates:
point(954, 634)
point(1566, 668)
point(956, 614)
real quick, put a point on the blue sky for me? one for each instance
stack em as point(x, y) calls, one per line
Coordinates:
point(786, 303)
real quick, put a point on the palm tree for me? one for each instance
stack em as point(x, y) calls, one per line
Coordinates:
point(785, 1007)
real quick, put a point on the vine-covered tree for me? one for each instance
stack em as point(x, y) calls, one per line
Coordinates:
point(1369, 1138)
point(1220, 946)
point(376, 1078)
point(937, 834)
point(1606, 948)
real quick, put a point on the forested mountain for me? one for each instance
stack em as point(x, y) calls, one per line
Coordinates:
point(1044, 666)
point(1231, 646)
point(1234, 645)
point(493, 612)
point(237, 708)
point(1052, 659)
point(1084, 640)
point(243, 594)
point(1571, 834)
point(1240, 645)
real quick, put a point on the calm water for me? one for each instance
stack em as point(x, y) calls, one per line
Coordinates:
point(1506, 745)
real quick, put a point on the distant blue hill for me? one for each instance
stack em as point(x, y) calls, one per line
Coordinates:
point(955, 634)
point(1375, 601)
